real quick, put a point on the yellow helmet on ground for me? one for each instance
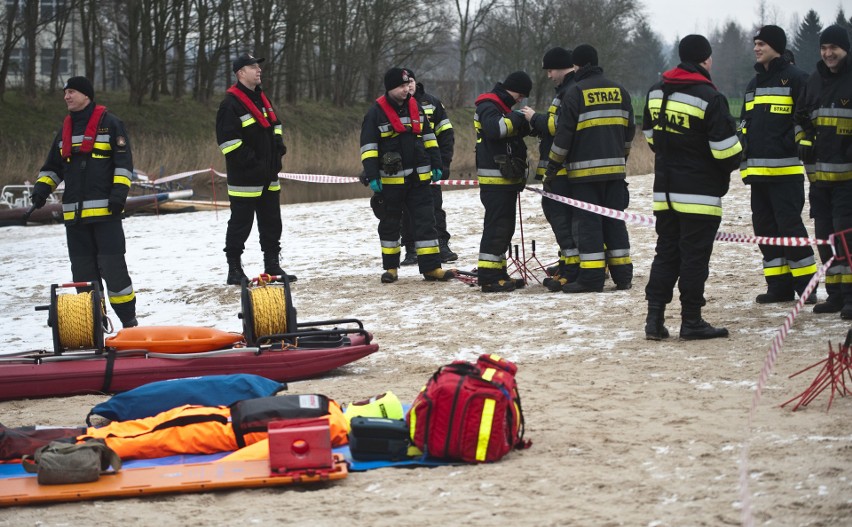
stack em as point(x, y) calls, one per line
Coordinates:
point(384, 405)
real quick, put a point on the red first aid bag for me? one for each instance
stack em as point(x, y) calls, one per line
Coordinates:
point(469, 412)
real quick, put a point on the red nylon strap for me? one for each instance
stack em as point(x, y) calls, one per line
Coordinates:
point(495, 99)
point(413, 113)
point(252, 108)
point(88, 136)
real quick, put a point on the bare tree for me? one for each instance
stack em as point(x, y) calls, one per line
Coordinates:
point(30, 13)
point(12, 34)
point(471, 17)
point(58, 23)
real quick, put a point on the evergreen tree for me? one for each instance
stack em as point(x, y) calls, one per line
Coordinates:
point(733, 60)
point(646, 59)
point(806, 43)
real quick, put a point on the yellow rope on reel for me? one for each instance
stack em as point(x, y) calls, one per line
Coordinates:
point(76, 320)
point(270, 310)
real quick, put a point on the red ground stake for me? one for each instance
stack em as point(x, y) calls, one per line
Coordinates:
point(832, 375)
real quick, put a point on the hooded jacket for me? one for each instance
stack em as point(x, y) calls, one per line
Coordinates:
point(689, 127)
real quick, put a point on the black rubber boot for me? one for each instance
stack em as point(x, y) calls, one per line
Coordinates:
point(654, 322)
point(235, 271)
point(410, 256)
point(774, 297)
point(272, 266)
point(447, 254)
point(693, 327)
point(833, 304)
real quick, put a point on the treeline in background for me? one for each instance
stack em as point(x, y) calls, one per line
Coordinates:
point(158, 61)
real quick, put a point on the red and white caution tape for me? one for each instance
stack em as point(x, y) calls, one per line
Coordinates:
point(642, 219)
point(317, 178)
point(768, 366)
point(180, 175)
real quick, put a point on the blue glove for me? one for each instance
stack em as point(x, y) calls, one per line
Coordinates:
point(376, 185)
point(436, 174)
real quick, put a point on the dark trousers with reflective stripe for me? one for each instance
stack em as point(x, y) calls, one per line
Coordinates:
point(267, 208)
point(776, 210)
point(96, 251)
point(831, 209)
point(560, 217)
point(417, 199)
point(593, 231)
point(498, 227)
point(440, 219)
point(684, 246)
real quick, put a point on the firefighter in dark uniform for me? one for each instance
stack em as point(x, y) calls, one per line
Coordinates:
point(827, 153)
point(689, 127)
point(443, 128)
point(400, 156)
point(250, 135)
point(772, 168)
point(560, 69)
point(592, 143)
point(501, 168)
point(91, 154)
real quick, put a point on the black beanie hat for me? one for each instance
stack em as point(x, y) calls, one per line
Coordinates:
point(519, 82)
point(694, 48)
point(396, 77)
point(774, 36)
point(835, 35)
point(82, 85)
point(584, 55)
point(557, 59)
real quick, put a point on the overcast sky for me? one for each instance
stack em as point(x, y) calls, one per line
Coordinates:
point(673, 18)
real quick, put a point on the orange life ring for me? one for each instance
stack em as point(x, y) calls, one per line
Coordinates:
point(173, 339)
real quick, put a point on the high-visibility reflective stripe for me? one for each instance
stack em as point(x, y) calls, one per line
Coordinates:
point(368, 154)
point(443, 126)
point(427, 247)
point(689, 203)
point(592, 264)
point(803, 271)
point(832, 112)
point(485, 180)
point(506, 127)
point(431, 143)
point(248, 122)
point(491, 261)
point(485, 429)
point(776, 271)
point(603, 121)
point(274, 185)
point(87, 213)
point(244, 192)
point(832, 172)
point(619, 261)
point(390, 247)
point(488, 374)
point(369, 146)
point(230, 146)
point(121, 297)
point(121, 180)
point(612, 169)
point(102, 146)
point(725, 148)
point(48, 178)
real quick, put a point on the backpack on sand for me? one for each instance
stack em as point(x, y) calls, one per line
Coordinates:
point(469, 412)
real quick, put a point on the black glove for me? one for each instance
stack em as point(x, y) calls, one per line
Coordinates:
point(446, 173)
point(363, 179)
point(116, 207)
point(38, 200)
point(806, 151)
point(283, 150)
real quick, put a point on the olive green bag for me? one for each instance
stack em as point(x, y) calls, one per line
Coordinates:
point(60, 463)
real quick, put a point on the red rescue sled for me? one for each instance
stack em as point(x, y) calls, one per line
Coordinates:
point(308, 352)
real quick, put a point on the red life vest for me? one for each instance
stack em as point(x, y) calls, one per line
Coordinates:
point(252, 108)
point(495, 99)
point(392, 116)
point(88, 136)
